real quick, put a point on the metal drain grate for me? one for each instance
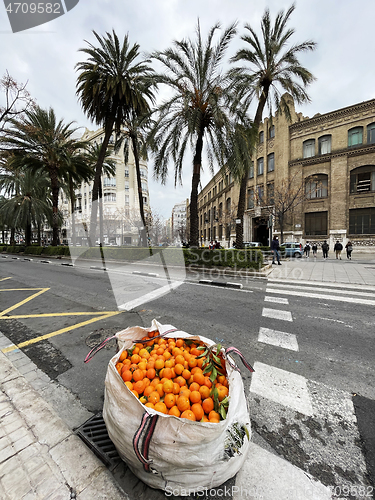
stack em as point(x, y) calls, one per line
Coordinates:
point(94, 433)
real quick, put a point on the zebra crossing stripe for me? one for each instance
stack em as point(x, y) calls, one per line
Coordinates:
point(352, 300)
point(321, 289)
point(283, 387)
point(277, 338)
point(276, 300)
point(277, 314)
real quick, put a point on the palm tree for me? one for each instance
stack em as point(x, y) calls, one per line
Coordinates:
point(273, 70)
point(43, 144)
point(111, 83)
point(196, 114)
point(26, 203)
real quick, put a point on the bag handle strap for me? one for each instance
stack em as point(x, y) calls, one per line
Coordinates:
point(234, 350)
point(97, 348)
point(156, 337)
point(142, 438)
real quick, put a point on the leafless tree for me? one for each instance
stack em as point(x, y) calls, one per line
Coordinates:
point(14, 101)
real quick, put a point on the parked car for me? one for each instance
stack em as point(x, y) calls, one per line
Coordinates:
point(291, 250)
point(252, 244)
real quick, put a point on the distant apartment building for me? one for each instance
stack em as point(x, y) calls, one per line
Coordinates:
point(178, 222)
point(121, 218)
point(328, 159)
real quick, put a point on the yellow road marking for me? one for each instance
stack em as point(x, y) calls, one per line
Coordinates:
point(19, 289)
point(3, 279)
point(41, 290)
point(58, 332)
point(48, 315)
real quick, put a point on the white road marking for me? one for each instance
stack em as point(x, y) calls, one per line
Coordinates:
point(322, 284)
point(352, 300)
point(277, 338)
point(283, 387)
point(276, 300)
point(128, 306)
point(277, 314)
point(315, 289)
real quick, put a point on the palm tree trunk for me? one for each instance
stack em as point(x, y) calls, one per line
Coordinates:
point(241, 210)
point(144, 230)
point(55, 203)
point(98, 179)
point(197, 164)
point(72, 205)
point(28, 233)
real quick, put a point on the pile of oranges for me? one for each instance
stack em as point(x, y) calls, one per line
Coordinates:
point(173, 377)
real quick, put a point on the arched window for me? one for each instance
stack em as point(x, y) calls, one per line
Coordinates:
point(316, 186)
point(220, 210)
point(371, 133)
point(324, 144)
point(355, 136)
point(260, 163)
point(309, 148)
point(228, 205)
point(261, 137)
point(362, 179)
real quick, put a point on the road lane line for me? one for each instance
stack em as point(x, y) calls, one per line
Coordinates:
point(277, 314)
point(277, 338)
point(53, 315)
point(42, 290)
point(3, 279)
point(352, 300)
point(276, 300)
point(283, 387)
point(58, 332)
point(148, 297)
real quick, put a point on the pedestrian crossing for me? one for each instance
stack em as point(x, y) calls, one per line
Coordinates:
point(291, 410)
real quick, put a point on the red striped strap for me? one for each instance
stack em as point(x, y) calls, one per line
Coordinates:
point(234, 350)
point(157, 337)
point(97, 348)
point(143, 436)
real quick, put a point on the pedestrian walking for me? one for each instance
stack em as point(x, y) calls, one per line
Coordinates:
point(338, 249)
point(275, 250)
point(314, 249)
point(325, 248)
point(349, 249)
point(306, 250)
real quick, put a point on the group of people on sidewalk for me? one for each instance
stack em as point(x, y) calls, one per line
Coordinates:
point(275, 249)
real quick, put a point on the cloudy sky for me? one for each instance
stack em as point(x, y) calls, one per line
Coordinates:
point(45, 56)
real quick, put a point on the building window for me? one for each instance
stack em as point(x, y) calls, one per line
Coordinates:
point(362, 221)
point(362, 179)
point(260, 164)
point(250, 198)
point(220, 232)
point(271, 194)
point(316, 223)
point(220, 210)
point(260, 194)
point(228, 206)
point(126, 186)
point(220, 186)
point(127, 201)
point(110, 197)
point(271, 132)
point(144, 186)
point(271, 162)
point(324, 144)
point(261, 137)
point(316, 187)
point(145, 200)
point(143, 173)
point(109, 182)
point(371, 133)
point(126, 172)
point(251, 170)
point(309, 148)
point(355, 136)
point(205, 218)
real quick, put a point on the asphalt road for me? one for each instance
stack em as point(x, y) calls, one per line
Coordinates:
point(323, 347)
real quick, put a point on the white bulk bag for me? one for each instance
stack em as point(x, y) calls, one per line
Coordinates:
point(174, 454)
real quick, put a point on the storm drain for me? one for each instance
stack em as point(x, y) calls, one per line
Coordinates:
point(94, 433)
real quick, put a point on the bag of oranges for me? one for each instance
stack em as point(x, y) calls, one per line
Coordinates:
point(175, 409)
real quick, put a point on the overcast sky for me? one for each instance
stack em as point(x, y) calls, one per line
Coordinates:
point(45, 56)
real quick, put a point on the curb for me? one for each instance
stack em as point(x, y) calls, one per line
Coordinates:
point(225, 284)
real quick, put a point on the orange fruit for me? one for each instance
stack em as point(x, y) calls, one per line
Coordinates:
point(159, 389)
point(196, 369)
point(207, 382)
point(159, 363)
point(205, 419)
point(170, 363)
point(204, 391)
point(135, 393)
point(195, 396)
point(179, 368)
point(192, 362)
point(186, 374)
point(221, 379)
point(160, 406)
point(213, 415)
point(153, 397)
point(135, 358)
point(142, 365)
point(168, 386)
point(208, 405)
point(144, 353)
point(222, 392)
point(148, 390)
point(170, 400)
point(167, 373)
point(179, 342)
point(174, 411)
point(150, 405)
point(126, 375)
point(151, 373)
point(129, 385)
point(199, 378)
point(181, 381)
point(183, 403)
point(139, 386)
point(185, 391)
point(194, 386)
point(189, 415)
point(123, 356)
point(137, 375)
point(197, 409)
point(176, 388)
point(166, 354)
point(179, 359)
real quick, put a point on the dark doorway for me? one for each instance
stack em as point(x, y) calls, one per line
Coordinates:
point(261, 232)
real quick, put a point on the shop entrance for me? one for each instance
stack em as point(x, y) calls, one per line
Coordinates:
point(261, 231)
